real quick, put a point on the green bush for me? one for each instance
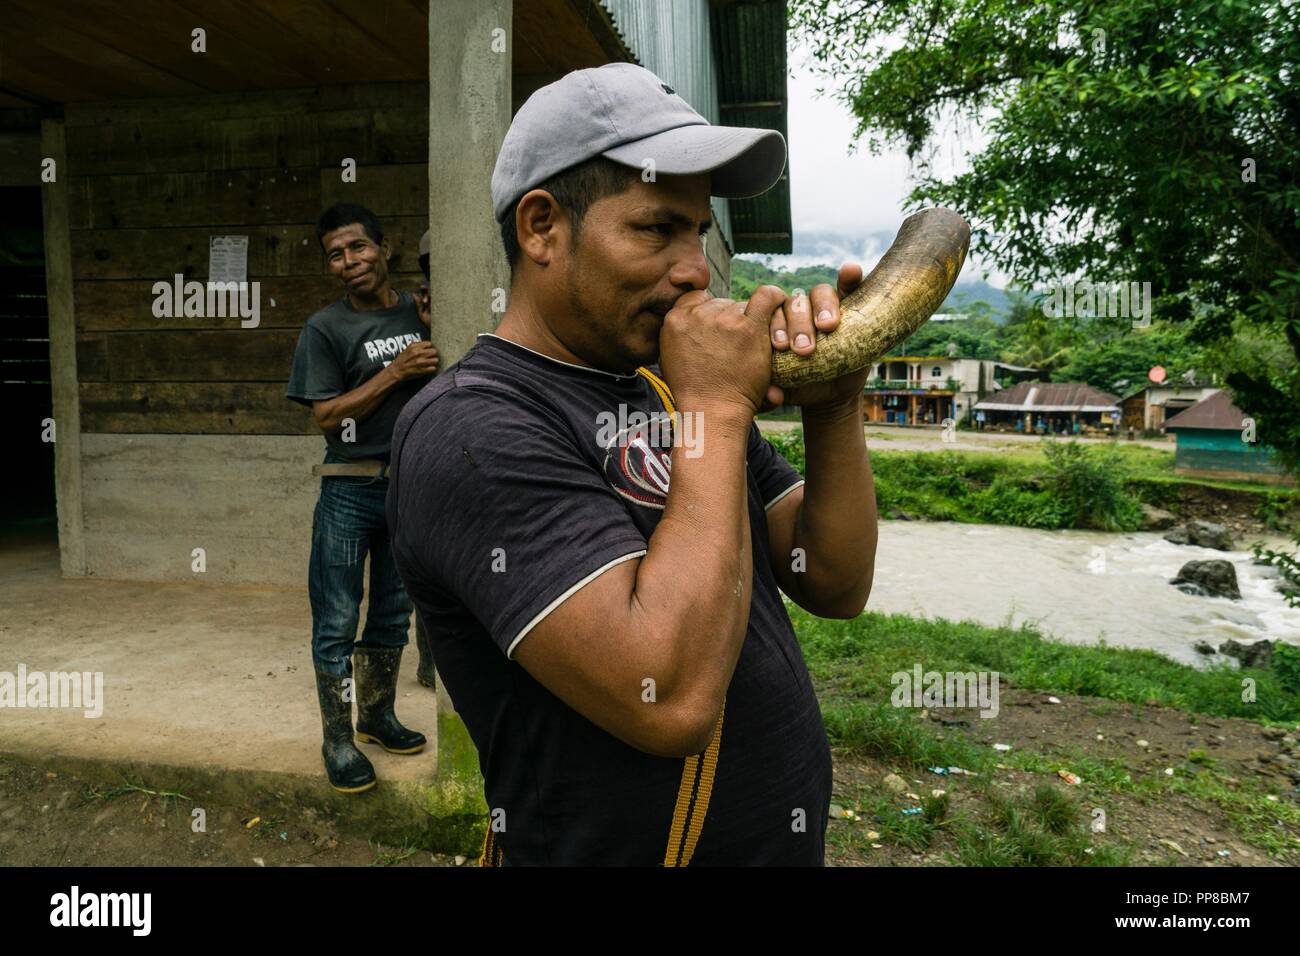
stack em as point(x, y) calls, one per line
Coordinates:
point(1089, 485)
point(1286, 665)
point(1275, 507)
point(1006, 502)
point(790, 446)
point(1077, 487)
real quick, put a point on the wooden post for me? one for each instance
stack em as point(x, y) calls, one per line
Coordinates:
point(63, 353)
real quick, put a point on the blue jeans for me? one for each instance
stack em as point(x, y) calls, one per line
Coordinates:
point(348, 524)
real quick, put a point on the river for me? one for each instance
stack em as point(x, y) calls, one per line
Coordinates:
point(1077, 586)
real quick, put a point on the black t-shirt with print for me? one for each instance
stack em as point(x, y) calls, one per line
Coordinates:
point(341, 348)
point(507, 495)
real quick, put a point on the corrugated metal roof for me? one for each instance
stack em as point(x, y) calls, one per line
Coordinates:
point(671, 39)
point(1050, 397)
point(749, 42)
point(1217, 412)
point(729, 63)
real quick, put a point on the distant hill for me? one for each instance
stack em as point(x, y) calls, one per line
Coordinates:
point(747, 275)
point(965, 293)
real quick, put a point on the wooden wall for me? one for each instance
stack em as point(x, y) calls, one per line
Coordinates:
point(150, 181)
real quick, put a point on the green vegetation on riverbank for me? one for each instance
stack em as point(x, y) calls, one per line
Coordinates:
point(851, 663)
point(1049, 484)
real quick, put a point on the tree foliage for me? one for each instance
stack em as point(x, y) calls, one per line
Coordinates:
point(1131, 140)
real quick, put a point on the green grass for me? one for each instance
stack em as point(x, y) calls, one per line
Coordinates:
point(121, 790)
point(1046, 828)
point(851, 663)
point(390, 856)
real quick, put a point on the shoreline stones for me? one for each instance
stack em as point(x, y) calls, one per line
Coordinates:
point(1202, 534)
point(1157, 519)
point(1258, 655)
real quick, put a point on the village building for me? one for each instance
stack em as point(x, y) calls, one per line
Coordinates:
point(929, 389)
point(1216, 439)
point(153, 158)
point(142, 156)
point(1050, 408)
point(1146, 408)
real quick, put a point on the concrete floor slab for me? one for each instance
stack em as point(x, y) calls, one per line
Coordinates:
point(216, 679)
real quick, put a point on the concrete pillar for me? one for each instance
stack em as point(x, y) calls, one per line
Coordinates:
point(469, 112)
point(470, 44)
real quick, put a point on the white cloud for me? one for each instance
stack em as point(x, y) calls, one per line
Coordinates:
point(849, 207)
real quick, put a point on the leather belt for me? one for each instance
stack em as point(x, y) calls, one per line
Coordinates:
point(367, 468)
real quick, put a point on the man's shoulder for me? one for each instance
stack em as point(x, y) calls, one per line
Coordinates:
point(470, 395)
point(327, 317)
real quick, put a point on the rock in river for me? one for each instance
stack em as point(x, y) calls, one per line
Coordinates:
point(1210, 578)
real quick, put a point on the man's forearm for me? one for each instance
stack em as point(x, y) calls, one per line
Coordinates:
point(836, 524)
point(359, 403)
point(693, 586)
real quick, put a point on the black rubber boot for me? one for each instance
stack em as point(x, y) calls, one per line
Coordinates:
point(346, 767)
point(424, 673)
point(376, 671)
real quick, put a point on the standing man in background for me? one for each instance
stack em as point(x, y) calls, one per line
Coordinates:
point(358, 362)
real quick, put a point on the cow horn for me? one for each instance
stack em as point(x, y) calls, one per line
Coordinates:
point(911, 280)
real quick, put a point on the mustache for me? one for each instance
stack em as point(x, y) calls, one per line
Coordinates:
point(661, 307)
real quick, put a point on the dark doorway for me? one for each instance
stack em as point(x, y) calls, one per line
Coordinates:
point(27, 504)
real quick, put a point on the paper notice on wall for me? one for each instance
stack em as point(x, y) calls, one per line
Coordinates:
point(227, 259)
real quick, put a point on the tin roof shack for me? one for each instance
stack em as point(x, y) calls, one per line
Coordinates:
point(1146, 408)
point(1216, 439)
point(1053, 407)
point(178, 457)
point(927, 389)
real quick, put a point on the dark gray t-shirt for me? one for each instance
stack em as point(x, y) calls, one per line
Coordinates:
point(508, 494)
point(341, 348)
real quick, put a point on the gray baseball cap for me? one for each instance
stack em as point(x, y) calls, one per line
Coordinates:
point(627, 114)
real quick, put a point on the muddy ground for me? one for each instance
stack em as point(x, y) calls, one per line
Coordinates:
point(50, 819)
point(1172, 829)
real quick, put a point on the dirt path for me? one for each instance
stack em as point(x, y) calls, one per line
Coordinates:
point(57, 819)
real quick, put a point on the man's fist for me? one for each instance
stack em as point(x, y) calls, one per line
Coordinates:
point(417, 359)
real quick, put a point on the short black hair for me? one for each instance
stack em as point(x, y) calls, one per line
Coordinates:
point(345, 214)
point(576, 189)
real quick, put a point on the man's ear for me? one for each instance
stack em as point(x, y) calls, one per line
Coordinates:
point(386, 249)
point(538, 222)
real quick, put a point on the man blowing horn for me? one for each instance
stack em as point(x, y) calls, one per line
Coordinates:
point(617, 643)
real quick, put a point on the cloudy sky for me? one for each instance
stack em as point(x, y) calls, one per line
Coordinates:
point(848, 207)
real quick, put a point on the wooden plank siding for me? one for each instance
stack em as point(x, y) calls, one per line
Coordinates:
point(149, 183)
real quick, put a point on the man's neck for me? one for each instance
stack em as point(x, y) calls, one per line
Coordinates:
point(523, 325)
point(384, 298)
